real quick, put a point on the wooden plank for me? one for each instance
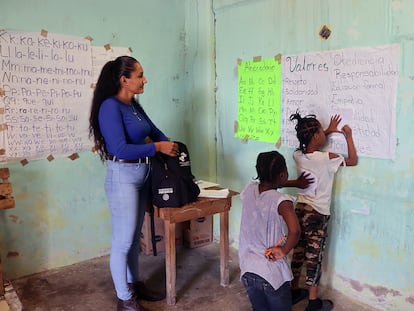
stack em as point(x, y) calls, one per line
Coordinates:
point(224, 249)
point(4, 174)
point(6, 203)
point(201, 208)
point(1, 279)
point(6, 197)
point(5, 189)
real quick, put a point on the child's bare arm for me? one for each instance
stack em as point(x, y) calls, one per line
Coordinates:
point(287, 211)
point(302, 182)
point(352, 158)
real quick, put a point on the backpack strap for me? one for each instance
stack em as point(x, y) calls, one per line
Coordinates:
point(154, 242)
point(150, 210)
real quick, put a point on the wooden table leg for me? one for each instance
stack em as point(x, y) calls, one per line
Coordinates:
point(170, 261)
point(224, 248)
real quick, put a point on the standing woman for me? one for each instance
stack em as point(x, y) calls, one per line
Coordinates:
point(119, 127)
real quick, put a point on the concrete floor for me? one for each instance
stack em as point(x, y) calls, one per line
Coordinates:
point(87, 286)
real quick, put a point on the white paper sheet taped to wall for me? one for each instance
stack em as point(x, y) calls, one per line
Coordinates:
point(359, 84)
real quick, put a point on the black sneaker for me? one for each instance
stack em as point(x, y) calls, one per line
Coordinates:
point(320, 305)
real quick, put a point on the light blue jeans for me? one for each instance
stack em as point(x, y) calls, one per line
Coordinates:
point(127, 189)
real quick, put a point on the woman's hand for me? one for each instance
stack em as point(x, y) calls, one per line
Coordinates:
point(167, 147)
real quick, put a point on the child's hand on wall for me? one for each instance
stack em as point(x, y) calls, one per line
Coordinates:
point(333, 125)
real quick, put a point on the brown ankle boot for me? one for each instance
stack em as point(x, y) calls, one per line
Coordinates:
point(142, 292)
point(129, 305)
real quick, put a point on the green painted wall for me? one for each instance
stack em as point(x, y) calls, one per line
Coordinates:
point(61, 215)
point(369, 257)
point(189, 51)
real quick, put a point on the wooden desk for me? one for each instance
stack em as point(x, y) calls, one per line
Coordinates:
point(203, 207)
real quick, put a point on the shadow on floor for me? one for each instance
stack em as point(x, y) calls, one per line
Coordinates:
point(87, 286)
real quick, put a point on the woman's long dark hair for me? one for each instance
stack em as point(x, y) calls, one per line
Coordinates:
point(108, 85)
point(305, 128)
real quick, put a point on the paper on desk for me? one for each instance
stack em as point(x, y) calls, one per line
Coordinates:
point(209, 193)
point(202, 184)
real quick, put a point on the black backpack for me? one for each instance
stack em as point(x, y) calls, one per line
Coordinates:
point(172, 180)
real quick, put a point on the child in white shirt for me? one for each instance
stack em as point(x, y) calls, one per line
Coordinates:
point(313, 203)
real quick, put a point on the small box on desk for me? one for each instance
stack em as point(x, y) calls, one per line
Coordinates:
point(145, 239)
point(198, 232)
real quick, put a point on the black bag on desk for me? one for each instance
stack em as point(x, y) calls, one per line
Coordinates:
point(172, 181)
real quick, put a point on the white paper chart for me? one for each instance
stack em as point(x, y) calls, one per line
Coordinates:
point(360, 84)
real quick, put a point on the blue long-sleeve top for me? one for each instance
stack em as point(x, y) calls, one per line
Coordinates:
point(124, 132)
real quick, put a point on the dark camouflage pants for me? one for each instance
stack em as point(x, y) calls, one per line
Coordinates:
point(310, 247)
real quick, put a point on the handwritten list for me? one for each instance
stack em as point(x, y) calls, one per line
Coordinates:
point(46, 92)
point(259, 100)
point(359, 84)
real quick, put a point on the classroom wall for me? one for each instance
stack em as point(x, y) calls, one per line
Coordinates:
point(370, 253)
point(189, 51)
point(61, 214)
point(200, 87)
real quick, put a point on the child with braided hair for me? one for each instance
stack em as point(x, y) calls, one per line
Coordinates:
point(264, 244)
point(313, 203)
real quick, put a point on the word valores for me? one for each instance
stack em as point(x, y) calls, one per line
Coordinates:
point(297, 64)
